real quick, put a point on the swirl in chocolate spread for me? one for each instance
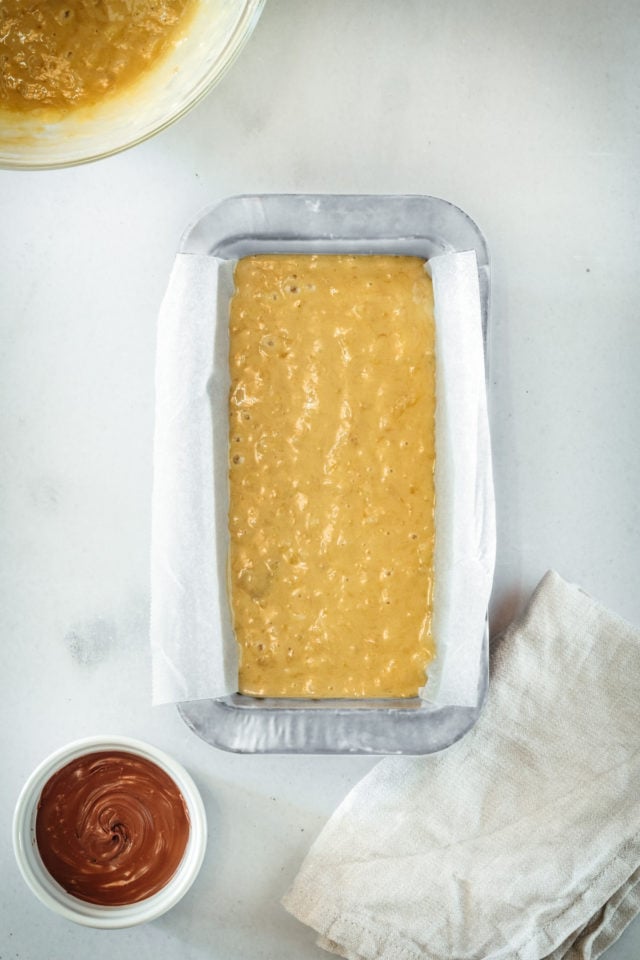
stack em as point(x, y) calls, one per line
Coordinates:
point(111, 828)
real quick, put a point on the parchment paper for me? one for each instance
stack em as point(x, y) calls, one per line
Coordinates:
point(193, 648)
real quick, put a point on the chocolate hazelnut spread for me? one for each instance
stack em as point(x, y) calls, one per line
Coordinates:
point(111, 828)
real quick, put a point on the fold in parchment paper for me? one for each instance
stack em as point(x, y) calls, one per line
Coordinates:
point(193, 648)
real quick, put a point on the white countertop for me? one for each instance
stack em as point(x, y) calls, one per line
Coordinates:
point(526, 116)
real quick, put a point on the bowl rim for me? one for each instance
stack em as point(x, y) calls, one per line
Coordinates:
point(52, 894)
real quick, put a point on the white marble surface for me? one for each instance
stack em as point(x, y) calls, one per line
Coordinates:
point(524, 114)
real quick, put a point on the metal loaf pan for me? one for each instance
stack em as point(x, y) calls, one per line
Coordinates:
point(403, 225)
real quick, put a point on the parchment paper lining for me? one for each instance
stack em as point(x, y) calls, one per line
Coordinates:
point(194, 653)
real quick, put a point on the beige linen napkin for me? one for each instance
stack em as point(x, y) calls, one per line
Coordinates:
point(522, 841)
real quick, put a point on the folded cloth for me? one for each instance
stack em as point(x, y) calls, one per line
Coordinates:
point(522, 841)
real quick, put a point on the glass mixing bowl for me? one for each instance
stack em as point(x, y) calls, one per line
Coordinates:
point(215, 34)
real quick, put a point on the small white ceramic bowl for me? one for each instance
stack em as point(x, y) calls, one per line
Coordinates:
point(51, 893)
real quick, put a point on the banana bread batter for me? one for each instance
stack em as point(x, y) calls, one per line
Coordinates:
point(67, 53)
point(331, 475)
